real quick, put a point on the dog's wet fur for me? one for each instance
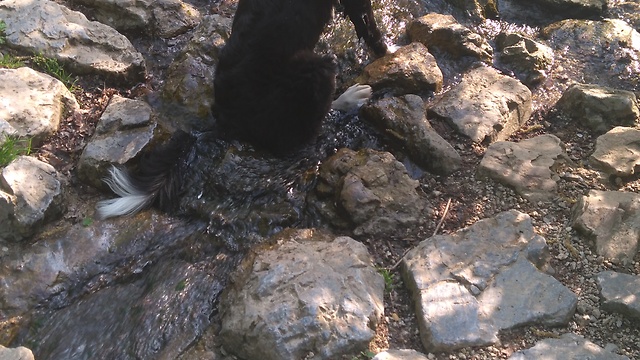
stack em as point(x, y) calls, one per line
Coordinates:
point(271, 89)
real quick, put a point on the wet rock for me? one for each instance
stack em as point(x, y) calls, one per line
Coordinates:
point(189, 83)
point(617, 152)
point(373, 189)
point(567, 346)
point(33, 103)
point(167, 18)
point(404, 354)
point(19, 353)
point(311, 295)
point(605, 52)
point(32, 196)
point(124, 129)
point(129, 310)
point(611, 219)
point(50, 29)
point(600, 108)
point(620, 293)
point(482, 9)
point(411, 69)
point(576, 8)
point(485, 106)
point(444, 32)
point(404, 119)
point(527, 166)
point(529, 59)
point(482, 279)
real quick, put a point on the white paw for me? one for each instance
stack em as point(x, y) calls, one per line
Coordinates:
point(353, 98)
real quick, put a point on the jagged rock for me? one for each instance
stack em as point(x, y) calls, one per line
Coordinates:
point(311, 295)
point(443, 31)
point(189, 84)
point(32, 196)
point(411, 69)
point(482, 279)
point(528, 58)
point(620, 293)
point(373, 189)
point(527, 166)
point(485, 105)
point(617, 152)
point(19, 353)
point(575, 8)
point(33, 103)
point(167, 18)
point(567, 346)
point(124, 129)
point(612, 220)
point(600, 108)
point(403, 354)
point(48, 28)
point(404, 119)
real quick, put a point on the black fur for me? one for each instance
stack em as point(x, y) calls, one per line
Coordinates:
point(271, 89)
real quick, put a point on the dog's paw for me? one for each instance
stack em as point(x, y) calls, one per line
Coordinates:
point(353, 98)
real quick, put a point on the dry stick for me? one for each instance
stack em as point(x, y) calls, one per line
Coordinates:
point(444, 214)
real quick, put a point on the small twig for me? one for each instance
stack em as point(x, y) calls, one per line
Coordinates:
point(444, 214)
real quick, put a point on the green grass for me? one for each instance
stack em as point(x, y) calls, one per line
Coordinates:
point(388, 279)
point(10, 62)
point(12, 147)
point(3, 36)
point(53, 68)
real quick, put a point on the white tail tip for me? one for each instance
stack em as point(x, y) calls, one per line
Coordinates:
point(131, 199)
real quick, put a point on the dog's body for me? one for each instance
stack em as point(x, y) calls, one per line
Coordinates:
point(271, 89)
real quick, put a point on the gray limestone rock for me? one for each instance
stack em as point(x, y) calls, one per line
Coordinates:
point(485, 106)
point(19, 353)
point(567, 346)
point(612, 220)
point(33, 103)
point(620, 293)
point(527, 166)
point(50, 29)
point(471, 284)
point(528, 58)
point(617, 152)
point(167, 18)
point(600, 108)
point(405, 120)
point(125, 128)
point(402, 354)
point(32, 196)
point(443, 31)
point(311, 295)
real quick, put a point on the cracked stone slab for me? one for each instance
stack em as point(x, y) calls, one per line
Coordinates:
point(463, 283)
point(486, 106)
point(526, 166)
point(310, 296)
point(53, 30)
point(612, 220)
point(33, 103)
point(620, 293)
point(567, 346)
point(617, 152)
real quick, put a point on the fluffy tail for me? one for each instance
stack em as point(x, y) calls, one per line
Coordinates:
point(157, 182)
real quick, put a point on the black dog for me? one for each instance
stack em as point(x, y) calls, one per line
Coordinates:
point(271, 89)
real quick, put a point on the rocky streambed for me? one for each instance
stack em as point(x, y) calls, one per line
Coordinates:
point(483, 205)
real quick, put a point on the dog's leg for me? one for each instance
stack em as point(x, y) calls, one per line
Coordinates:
point(361, 15)
point(353, 98)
